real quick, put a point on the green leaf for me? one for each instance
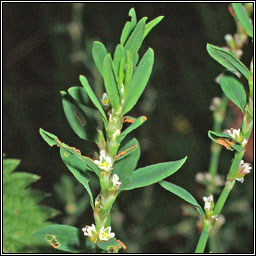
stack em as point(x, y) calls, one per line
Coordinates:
point(99, 52)
point(82, 162)
point(129, 68)
point(93, 97)
point(81, 120)
point(50, 138)
point(121, 71)
point(182, 193)
point(228, 60)
point(118, 55)
point(151, 25)
point(226, 140)
point(22, 213)
point(78, 170)
point(135, 40)
point(139, 80)
point(79, 95)
point(243, 18)
point(10, 165)
point(125, 164)
point(65, 238)
point(111, 244)
point(138, 122)
point(234, 90)
point(129, 26)
point(151, 174)
point(110, 82)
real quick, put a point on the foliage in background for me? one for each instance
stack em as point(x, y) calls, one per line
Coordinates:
point(22, 213)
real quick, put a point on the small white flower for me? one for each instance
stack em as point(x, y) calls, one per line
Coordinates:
point(215, 103)
point(105, 234)
point(105, 162)
point(105, 100)
point(217, 79)
point(240, 179)
point(199, 177)
point(244, 168)
point(208, 202)
point(115, 180)
point(228, 37)
point(234, 133)
point(89, 230)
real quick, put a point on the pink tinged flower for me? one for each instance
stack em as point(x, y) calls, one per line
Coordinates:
point(105, 234)
point(244, 168)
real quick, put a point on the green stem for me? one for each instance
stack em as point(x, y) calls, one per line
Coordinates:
point(203, 237)
point(223, 196)
point(218, 118)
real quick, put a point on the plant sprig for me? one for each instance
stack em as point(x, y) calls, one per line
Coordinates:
point(101, 121)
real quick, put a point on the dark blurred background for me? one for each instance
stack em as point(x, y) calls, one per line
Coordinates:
point(46, 46)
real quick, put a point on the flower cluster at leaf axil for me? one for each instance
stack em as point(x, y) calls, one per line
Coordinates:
point(244, 168)
point(105, 163)
point(236, 134)
point(104, 234)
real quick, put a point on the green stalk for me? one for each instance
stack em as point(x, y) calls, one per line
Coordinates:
point(218, 118)
point(203, 237)
point(223, 196)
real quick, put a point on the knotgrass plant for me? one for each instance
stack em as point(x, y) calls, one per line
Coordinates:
point(232, 139)
point(101, 121)
point(212, 180)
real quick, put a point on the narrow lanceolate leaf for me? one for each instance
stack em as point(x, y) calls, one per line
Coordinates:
point(129, 68)
point(243, 18)
point(82, 121)
point(127, 159)
point(151, 25)
point(118, 55)
point(138, 122)
point(111, 83)
point(234, 90)
point(182, 193)
point(78, 170)
point(135, 40)
point(93, 97)
point(225, 140)
point(151, 174)
point(139, 80)
point(129, 26)
point(65, 238)
point(83, 162)
point(228, 60)
point(79, 94)
point(99, 52)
